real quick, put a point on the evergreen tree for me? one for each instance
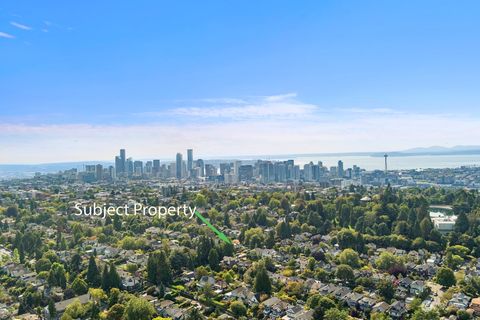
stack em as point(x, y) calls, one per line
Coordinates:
point(117, 223)
point(51, 309)
point(213, 259)
point(205, 244)
point(270, 242)
point(262, 281)
point(163, 269)
point(461, 225)
point(105, 278)
point(158, 268)
point(114, 278)
point(21, 254)
point(57, 276)
point(93, 275)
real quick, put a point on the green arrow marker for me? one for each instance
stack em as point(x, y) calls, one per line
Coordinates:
point(220, 234)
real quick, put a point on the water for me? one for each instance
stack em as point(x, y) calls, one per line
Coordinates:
point(394, 163)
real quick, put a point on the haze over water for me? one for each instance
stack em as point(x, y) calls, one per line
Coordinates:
point(394, 163)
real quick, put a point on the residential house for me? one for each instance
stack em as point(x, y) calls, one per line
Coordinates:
point(397, 309)
point(417, 287)
point(380, 307)
point(459, 301)
point(475, 305)
point(242, 293)
point(366, 304)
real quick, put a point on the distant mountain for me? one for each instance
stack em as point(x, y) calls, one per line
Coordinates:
point(432, 151)
point(439, 149)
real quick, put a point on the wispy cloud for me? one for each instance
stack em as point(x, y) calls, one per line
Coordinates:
point(20, 26)
point(71, 142)
point(263, 132)
point(371, 110)
point(6, 35)
point(281, 97)
point(272, 107)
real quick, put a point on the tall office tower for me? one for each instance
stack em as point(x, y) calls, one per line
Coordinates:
point(123, 160)
point(236, 169)
point(189, 160)
point(266, 172)
point(118, 166)
point(178, 166)
point(225, 168)
point(149, 168)
point(315, 172)
point(111, 172)
point(334, 171)
point(138, 168)
point(386, 167)
point(349, 173)
point(201, 165)
point(128, 168)
point(340, 170)
point(156, 168)
point(296, 173)
point(90, 168)
point(172, 170)
point(123, 154)
point(210, 170)
point(308, 171)
point(245, 173)
point(99, 172)
point(280, 169)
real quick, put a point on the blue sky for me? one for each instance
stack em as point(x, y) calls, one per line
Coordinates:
point(78, 80)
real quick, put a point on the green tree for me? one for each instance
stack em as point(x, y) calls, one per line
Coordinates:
point(385, 289)
point(421, 314)
point(349, 257)
point(93, 275)
point(214, 260)
point(11, 212)
point(445, 277)
point(139, 309)
point(51, 309)
point(194, 314)
point(283, 230)
point(345, 273)
point(200, 201)
point(79, 286)
point(390, 263)
point(105, 278)
point(116, 312)
point(57, 276)
point(238, 309)
point(158, 268)
point(114, 277)
point(379, 316)
point(42, 264)
point(262, 281)
point(335, 314)
point(462, 224)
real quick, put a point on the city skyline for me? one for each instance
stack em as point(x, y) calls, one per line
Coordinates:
point(287, 79)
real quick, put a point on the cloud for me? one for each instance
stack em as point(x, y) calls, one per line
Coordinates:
point(256, 126)
point(371, 110)
point(77, 142)
point(281, 97)
point(273, 110)
point(6, 35)
point(20, 26)
point(272, 107)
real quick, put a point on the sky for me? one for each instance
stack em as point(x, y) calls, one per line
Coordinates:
point(80, 80)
